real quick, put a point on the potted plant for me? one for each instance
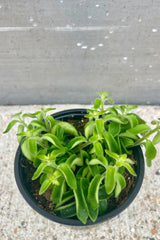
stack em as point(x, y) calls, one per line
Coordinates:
point(81, 166)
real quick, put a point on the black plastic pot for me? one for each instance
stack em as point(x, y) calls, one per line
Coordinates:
point(23, 188)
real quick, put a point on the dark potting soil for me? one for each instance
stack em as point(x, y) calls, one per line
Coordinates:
point(44, 201)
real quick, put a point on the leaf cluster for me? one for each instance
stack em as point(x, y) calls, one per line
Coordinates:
point(84, 171)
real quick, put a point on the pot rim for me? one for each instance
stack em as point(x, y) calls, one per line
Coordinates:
point(69, 221)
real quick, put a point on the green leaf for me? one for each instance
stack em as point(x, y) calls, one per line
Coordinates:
point(82, 172)
point(150, 150)
point(65, 198)
point(60, 133)
point(131, 107)
point(20, 130)
point(121, 183)
point(154, 122)
point(123, 146)
point(74, 160)
point(97, 103)
point(75, 141)
point(32, 143)
point(100, 126)
point(16, 115)
point(93, 213)
point(127, 141)
point(49, 109)
point(67, 127)
point(45, 185)
point(113, 118)
point(51, 121)
point(111, 142)
point(43, 178)
point(39, 170)
point(58, 191)
point(25, 149)
point(114, 128)
point(68, 174)
point(102, 161)
point(140, 120)
point(98, 149)
point(71, 159)
point(93, 191)
point(93, 169)
point(129, 168)
point(102, 193)
point(66, 211)
point(31, 115)
point(93, 139)
point(156, 138)
point(81, 205)
point(89, 128)
point(52, 139)
point(103, 206)
point(112, 154)
point(132, 120)
point(37, 123)
point(149, 162)
point(128, 135)
point(110, 179)
point(139, 129)
point(58, 153)
point(10, 125)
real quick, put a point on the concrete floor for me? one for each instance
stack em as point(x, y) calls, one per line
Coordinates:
point(140, 221)
point(53, 51)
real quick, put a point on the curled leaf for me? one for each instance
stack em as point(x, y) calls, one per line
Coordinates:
point(110, 179)
point(93, 191)
point(10, 125)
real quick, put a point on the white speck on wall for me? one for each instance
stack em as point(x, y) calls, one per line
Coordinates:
point(125, 58)
point(154, 30)
point(68, 26)
point(89, 17)
point(106, 37)
point(148, 102)
point(61, 1)
point(100, 45)
point(92, 48)
point(158, 80)
point(107, 13)
point(97, 5)
point(123, 20)
point(79, 44)
point(150, 66)
point(131, 65)
point(139, 20)
point(0, 6)
point(133, 48)
point(136, 79)
point(155, 55)
point(31, 19)
point(84, 47)
point(111, 31)
point(35, 24)
point(136, 69)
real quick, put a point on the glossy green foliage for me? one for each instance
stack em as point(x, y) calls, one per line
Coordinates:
point(82, 171)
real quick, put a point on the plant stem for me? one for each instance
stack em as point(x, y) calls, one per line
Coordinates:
point(139, 141)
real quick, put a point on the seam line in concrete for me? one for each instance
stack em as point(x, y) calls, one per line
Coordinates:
point(62, 29)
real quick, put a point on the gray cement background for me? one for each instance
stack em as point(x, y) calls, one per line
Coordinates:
point(61, 51)
point(140, 221)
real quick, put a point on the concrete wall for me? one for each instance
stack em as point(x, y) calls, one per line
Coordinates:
point(62, 51)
